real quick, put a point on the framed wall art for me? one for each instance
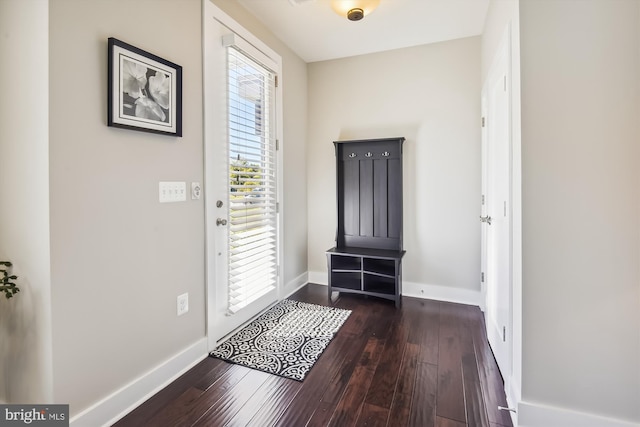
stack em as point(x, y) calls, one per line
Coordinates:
point(144, 90)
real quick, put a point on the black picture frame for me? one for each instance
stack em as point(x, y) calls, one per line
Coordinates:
point(144, 90)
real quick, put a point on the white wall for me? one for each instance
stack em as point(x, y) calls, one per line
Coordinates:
point(581, 221)
point(430, 95)
point(25, 320)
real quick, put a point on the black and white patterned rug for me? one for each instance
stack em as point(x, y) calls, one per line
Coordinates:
point(286, 340)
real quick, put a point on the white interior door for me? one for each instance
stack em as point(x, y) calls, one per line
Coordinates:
point(496, 207)
point(242, 181)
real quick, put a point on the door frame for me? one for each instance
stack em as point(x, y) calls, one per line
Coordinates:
point(213, 15)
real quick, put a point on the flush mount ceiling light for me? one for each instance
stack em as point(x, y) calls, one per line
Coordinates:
point(354, 10)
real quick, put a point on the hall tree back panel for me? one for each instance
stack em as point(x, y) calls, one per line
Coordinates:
point(369, 177)
point(369, 232)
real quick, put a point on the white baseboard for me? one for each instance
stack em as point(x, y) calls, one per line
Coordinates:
point(294, 285)
point(118, 404)
point(537, 415)
point(441, 293)
point(512, 394)
point(421, 290)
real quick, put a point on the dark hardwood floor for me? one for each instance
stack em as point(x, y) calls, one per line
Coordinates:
point(425, 364)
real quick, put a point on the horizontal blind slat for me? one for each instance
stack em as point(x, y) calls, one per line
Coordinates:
point(252, 185)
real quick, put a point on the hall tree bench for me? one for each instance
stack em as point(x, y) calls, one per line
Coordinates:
point(367, 257)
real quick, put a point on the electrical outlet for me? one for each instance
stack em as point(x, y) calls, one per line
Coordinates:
point(183, 304)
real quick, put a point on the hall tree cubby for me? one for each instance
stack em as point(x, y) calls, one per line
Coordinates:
point(367, 257)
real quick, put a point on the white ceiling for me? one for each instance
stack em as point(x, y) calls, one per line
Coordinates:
point(316, 33)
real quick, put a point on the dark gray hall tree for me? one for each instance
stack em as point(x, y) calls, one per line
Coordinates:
point(367, 258)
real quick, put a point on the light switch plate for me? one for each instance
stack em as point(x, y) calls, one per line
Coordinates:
point(172, 191)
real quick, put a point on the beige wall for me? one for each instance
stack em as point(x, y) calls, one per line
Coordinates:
point(119, 258)
point(581, 222)
point(430, 95)
point(25, 320)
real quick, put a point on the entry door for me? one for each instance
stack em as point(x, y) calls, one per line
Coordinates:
point(241, 175)
point(496, 208)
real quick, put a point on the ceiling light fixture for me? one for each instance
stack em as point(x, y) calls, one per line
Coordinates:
point(354, 10)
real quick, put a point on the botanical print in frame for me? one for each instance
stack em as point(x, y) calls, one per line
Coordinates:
point(145, 91)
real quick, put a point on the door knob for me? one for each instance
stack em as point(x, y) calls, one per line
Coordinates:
point(486, 219)
point(221, 221)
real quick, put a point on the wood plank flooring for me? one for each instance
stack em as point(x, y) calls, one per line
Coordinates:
point(426, 364)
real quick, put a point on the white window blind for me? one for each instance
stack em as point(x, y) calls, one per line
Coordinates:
point(252, 180)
